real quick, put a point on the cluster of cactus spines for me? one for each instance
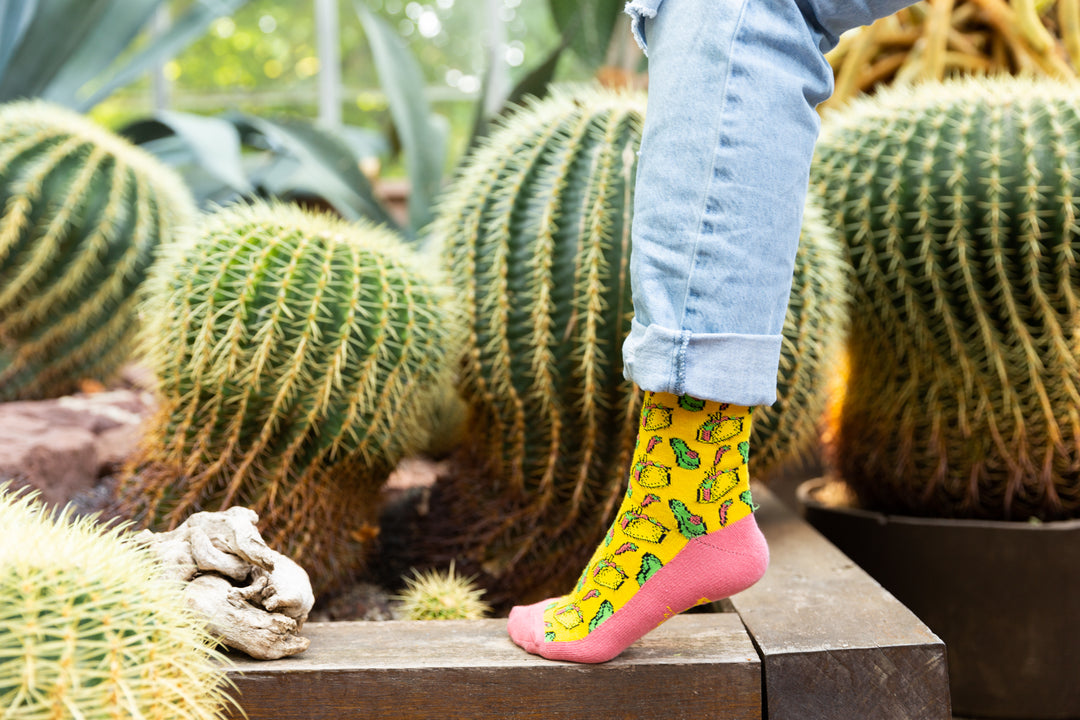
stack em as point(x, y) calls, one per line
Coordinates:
point(88, 628)
point(958, 205)
point(536, 235)
point(295, 355)
point(812, 342)
point(82, 212)
point(441, 595)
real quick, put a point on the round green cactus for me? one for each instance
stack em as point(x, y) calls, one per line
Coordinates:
point(958, 205)
point(82, 212)
point(296, 355)
point(441, 595)
point(88, 628)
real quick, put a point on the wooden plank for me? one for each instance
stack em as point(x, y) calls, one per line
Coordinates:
point(834, 643)
point(694, 666)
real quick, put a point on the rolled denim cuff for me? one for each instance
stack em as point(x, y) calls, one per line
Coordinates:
point(639, 11)
point(724, 367)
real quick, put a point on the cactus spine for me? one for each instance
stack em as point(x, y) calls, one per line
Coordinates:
point(958, 206)
point(88, 629)
point(295, 355)
point(81, 214)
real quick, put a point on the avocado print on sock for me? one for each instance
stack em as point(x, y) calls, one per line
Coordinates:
point(603, 612)
point(649, 565)
point(692, 404)
point(718, 428)
point(744, 450)
point(685, 458)
point(690, 525)
point(747, 498)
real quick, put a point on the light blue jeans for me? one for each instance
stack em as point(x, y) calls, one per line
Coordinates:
point(722, 177)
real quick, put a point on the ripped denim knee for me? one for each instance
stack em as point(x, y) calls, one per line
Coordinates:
point(640, 11)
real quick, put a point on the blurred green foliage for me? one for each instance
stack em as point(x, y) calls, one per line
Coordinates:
point(264, 60)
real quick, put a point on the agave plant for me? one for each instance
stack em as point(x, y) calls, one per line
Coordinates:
point(68, 51)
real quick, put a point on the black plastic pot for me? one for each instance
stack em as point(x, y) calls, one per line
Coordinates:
point(1004, 596)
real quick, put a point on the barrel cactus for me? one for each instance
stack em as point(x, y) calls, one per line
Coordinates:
point(82, 212)
point(958, 205)
point(295, 355)
point(535, 232)
point(89, 630)
point(536, 235)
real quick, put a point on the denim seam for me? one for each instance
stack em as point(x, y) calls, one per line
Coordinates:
point(680, 362)
point(712, 177)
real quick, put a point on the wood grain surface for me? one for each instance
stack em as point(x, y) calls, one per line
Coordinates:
point(692, 667)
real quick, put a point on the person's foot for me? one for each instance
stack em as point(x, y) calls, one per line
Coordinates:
point(684, 535)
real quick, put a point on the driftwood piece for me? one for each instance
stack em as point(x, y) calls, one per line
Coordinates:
point(255, 599)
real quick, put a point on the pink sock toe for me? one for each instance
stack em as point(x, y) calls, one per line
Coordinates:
point(526, 626)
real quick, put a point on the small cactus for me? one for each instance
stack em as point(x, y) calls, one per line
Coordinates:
point(441, 595)
point(89, 630)
point(82, 212)
point(957, 204)
point(295, 355)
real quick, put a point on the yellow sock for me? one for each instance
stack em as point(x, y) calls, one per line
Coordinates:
point(688, 478)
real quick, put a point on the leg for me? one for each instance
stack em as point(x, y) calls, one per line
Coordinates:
point(723, 174)
point(722, 178)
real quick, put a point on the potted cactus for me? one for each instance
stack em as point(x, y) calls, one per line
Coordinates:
point(958, 435)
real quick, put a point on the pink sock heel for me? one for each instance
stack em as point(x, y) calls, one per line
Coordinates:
point(711, 567)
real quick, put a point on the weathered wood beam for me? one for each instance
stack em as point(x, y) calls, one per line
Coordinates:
point(836, 645)
point(694, 666)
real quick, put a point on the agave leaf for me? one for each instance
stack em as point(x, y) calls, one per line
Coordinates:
point(319, 164)
point(115, 30)
point(208, 142)
point(55, 32)
point(182, 33)
point(535, 84)
point(15, 17)
point(587, 25)
point(422, 137)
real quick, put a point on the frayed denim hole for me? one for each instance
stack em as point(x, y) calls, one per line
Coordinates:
point(639, 13)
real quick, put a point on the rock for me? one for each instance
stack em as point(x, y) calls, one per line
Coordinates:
point(62, 446)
